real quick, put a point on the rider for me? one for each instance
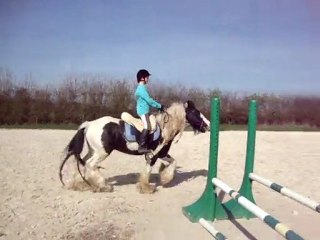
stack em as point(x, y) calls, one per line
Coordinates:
point(144, 101)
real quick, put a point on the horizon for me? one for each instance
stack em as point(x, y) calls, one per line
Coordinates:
point(256, 47)
point(29, 83)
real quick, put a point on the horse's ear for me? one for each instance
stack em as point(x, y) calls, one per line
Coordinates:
point(189, 104)
point(185, 104)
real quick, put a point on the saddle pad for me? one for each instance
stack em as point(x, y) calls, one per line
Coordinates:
point(132, 134)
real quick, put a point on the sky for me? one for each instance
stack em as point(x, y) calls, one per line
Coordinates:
point(240, 46)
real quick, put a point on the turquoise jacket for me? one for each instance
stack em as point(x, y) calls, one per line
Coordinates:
point(144, 101)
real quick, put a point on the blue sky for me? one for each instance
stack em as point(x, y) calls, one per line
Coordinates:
point(242, 46)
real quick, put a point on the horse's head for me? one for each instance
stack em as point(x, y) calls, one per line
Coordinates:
point(195, 118)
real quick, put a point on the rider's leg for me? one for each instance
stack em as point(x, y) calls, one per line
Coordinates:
point(143, 141)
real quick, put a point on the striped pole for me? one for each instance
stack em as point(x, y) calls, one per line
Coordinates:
point(286, 192)
point(260, 213)
point(216, 234)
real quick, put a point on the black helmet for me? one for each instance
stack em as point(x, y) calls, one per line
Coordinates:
point(142, 73)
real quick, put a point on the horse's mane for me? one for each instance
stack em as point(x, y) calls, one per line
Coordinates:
point(172, 122)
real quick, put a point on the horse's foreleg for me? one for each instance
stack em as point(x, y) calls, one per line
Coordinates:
point(159, 148)
point(167, 172)
point(143, 185)
point(93, 175)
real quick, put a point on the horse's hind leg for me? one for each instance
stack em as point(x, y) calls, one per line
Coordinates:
point(77, 183)
point(143, 185)
point(93, 175)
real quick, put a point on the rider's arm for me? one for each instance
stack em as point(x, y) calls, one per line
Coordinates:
point(145, 95)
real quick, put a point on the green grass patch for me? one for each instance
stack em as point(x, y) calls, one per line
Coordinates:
point(289, 127)
point(277, 128)
point(232, 127)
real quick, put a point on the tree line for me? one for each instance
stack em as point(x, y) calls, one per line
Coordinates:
point(86, 97)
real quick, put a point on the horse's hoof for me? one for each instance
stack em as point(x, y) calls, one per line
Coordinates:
point(146, 188)
point(107, 188)
point(164, 181)
point(78, 186)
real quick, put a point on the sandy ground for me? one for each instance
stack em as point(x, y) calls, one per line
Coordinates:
point(33, 205)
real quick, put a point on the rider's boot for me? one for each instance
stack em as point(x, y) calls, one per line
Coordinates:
point(143, 141)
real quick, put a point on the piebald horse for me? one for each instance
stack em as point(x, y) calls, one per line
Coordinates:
point(106, 134)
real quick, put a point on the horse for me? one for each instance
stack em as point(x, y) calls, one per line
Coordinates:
point(107, 133)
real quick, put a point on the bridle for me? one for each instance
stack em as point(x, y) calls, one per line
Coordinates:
point(202, 122)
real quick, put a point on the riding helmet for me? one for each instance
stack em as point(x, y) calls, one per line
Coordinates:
point(142, 73)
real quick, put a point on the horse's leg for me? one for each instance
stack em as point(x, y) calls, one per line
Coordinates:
point(165, 145)
point(167, 172)
point(93, 175)
point(78, 184)
point(143, 185)
point(159, 148)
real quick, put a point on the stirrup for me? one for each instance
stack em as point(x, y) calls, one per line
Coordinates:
point(144, 150)
point(148, 157)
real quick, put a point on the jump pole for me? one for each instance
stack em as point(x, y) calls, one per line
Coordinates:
point(286, 192)
point(208, 226)
point(208, 205)
point(260, 213)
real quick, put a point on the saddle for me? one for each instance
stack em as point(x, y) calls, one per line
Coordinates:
point(134, 126)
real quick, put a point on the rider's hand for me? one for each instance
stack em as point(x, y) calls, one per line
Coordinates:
point(163, 108)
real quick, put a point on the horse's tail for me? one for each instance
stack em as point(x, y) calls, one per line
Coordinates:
point(74, 147)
